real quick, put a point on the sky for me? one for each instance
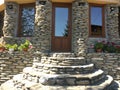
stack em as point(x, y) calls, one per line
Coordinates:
point(61, 19)
point(1, 1)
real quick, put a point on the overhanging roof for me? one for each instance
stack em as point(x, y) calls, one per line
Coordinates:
point(67, 1)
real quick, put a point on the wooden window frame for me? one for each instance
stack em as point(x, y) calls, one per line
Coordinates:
point(103, 21)
point(21, 6)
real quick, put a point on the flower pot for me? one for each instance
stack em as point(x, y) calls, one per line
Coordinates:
point(2, 49)
point(25, 49)
point(99, 50)
point(11, 50)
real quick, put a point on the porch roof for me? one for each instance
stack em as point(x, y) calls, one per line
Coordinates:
point(2, 3)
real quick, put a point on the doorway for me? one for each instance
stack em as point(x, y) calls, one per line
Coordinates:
point(61, 27)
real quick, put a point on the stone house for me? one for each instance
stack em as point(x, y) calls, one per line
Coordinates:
point(88, 21)
point(63, 30)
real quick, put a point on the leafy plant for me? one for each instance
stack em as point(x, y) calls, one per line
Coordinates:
point(24, 46)
point(9, 46)
point(111, 49)
point(98, 45)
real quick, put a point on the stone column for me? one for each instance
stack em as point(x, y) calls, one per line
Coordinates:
point(10, 19)
point(80, 30)
point(43, 18)
point(112, 22)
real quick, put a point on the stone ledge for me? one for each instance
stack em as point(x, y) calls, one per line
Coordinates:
point(31, 71)
point(56, 66)
point(10, 86)
point(80, 69)
point(63, 61)
point(62, 54)
point(63, 79)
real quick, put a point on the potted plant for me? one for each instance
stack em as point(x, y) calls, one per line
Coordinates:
point(99, 47)
point(11, 48)
point(118, 48)
point(24, 46)
point(111, 49)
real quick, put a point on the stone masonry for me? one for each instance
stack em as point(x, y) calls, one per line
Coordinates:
point(11, 64)
point(43, 19)
point(43, 25)
point(112, 22)
point(80, 18)
point(62, 71)
point(10, 19)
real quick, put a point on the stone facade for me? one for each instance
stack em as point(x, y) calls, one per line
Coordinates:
point(43, 25)
point(11, 64)
point(112, 22)
point(109, 62)
point(80, 19)
point(70, 69)
point(111, 26)
point(10, 19)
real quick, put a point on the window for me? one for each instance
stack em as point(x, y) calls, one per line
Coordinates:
point(97, 21)
point(26, 20)
point(61, 23)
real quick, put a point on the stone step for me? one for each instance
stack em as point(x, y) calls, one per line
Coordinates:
point(115, 85)
point(64, 61)
point(56, 69)
point(58, 54)
point(101, 86)
point(23, 84)
point(58, 79)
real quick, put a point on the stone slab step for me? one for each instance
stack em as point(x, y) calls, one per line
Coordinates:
point(20, 82)
point(31, 71)
point(58, 79)
point(115, 85)
point(56, 69)
point(63, 61)
point(100, 86)
point(67, 54)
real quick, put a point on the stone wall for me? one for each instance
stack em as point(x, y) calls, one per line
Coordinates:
point(111, 24)
point(80, 29)
point(109, 62)
point(12, 64)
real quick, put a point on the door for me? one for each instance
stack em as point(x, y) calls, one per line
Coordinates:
point(61, 28)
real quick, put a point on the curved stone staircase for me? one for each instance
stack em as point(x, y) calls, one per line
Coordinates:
point(61, 71)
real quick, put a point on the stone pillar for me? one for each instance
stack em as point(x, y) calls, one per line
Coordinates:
point(112, 22)
point(80, 30)
point(10, 19)
point(43, 18)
